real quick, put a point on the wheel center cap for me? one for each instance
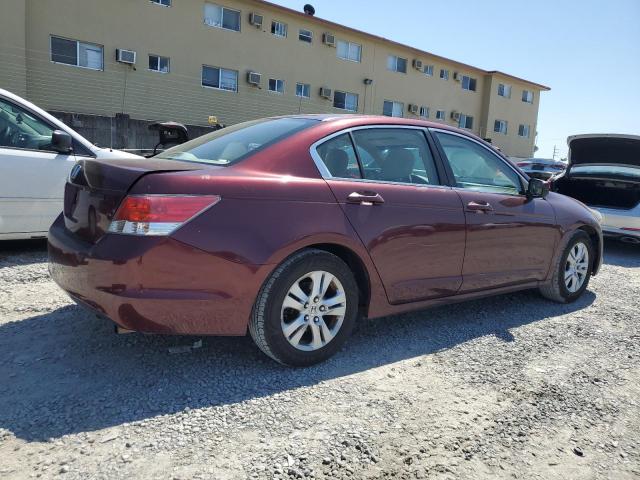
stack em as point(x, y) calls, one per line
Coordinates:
point(313, 309)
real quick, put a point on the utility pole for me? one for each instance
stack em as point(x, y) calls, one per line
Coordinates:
point(555, 152)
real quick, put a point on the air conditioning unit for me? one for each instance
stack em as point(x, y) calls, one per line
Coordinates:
point(325, 92)
point(457, 77)
point(417, 64)
point(414, 109)
point(455, 115)
point(329, 39)
point(125, 56)
point(256, 20)
point(254, 78)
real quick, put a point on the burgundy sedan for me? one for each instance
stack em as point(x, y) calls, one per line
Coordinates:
point(292, 227)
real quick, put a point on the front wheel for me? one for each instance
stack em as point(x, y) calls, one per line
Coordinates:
point(306, 309)
point(572, 270)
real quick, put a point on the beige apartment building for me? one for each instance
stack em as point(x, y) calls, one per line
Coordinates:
point(243, 59)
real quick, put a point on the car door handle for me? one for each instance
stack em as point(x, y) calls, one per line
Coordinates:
point(479, 207)
point(365, 198)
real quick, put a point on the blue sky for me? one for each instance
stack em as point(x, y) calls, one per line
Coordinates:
point(587, 51)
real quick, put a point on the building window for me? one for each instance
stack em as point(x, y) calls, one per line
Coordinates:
point(500, 126)
point(349, 51)
point(276, 85)
point(466, 121)
point(219, 78)
point(527, 96)
point(392, 109)
point(159, 64)
point(303, 90)
point(79, 54)
point(444, 74)
point(428, 70)
point(523, 131)
point(504, 90)
point(440, 115)
point(345, 101)
point(221, 17)
point(424, 112)
point(305, 36)
point(164, 3)
point(279, 29)
point(468, 83)
point(397, 64)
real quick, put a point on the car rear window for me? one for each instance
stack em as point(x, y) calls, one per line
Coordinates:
point(233, 144)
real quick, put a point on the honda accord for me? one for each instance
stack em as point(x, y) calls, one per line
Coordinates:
point(291, 228)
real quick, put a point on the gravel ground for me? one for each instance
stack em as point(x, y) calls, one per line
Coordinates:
point(508, 387)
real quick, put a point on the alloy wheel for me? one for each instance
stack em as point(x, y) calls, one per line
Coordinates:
point(313, 310)
point(576, 267)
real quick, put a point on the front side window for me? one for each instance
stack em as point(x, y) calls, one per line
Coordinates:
point(276, 85)
point(79, 54)
point(466, 121)
point(303, 90)
point(523, 131)
point(527, 96)
point(220, 78)
point(395, 155)
point(221, 17)
point(476, 168)
point(305, 36)
point(279, 29)
point(428, 70)
point(504, 90)
point(235, 143)
point(500, 126)
point(345, 101)
point(444, 74)
point(397, 64)
point(159, 64)
point(339, 156)
point(21, 129)
point(349, 51)
point(468, 83)
point(393, 109)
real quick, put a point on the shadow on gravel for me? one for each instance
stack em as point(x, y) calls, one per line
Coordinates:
point(22, 252)
point(621, 254)
point(66, 372)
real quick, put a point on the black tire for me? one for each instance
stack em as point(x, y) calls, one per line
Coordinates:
point(556, 289)
point(265, 324)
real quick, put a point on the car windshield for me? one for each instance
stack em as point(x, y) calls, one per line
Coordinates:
point(233, 144)
point(622, 170)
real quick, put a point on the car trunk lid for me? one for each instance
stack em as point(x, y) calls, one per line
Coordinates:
point(95, 188)
point(604, 149)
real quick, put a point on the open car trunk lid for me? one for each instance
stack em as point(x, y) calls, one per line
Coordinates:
point(604, 149)
point(95, 189)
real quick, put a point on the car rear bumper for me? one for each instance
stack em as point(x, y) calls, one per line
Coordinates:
point(620, 223)
point(155, 284)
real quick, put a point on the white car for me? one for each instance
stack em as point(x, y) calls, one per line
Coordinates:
point(37, 152)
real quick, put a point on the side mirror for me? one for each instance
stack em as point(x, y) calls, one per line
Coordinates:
point(537, 188)
point(61, 142)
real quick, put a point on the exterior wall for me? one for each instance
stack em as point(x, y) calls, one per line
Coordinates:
point(12, 46)
point(178, 32)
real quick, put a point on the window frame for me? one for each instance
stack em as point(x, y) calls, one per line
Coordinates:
point(527, 93)
point(159, 2)
point(444, 115)
point(501, 123)
point(424, 108)
point(310, 36)
point(446, 75)
point(395, 69)
point(505, 87)
point(275, 23)
point(443, 176)
point(524, 181)
point(345, 100)
point(303, 88)
point(428, 70)
point(220, 69)
point(524, 127)
point(471, 82)
point(223, 8)
point(159, 57)
point(349, 45)
point(465, 116)
point(394, 104)
point(78, 43)
point(278, 81)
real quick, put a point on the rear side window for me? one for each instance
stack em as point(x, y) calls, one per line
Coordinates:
point(396, 155)
point(339, 157)
point(233, 144)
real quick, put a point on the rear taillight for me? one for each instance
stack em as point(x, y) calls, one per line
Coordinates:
point(158, 214)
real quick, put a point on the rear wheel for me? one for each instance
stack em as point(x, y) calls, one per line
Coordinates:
point(572, 270)
point(306, 309)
